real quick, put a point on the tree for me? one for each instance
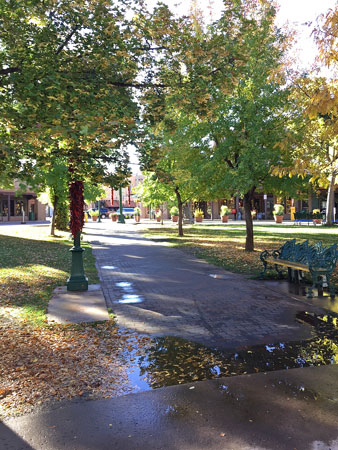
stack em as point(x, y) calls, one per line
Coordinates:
point(230, 108)
point(311, 151)
point(67, 73)
point(154, 193)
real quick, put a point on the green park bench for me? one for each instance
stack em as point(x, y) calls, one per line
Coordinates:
point(316, 259)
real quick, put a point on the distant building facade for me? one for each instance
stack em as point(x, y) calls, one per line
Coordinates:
point(12, 205)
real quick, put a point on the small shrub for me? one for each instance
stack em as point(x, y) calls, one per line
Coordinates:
point(198, 213)
point(278, 210)
point(137, 211)
point(316, 214)
point(174, 211)
point(225, 211)
point(94, 213)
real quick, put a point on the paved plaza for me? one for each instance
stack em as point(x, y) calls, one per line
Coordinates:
point(160, 291)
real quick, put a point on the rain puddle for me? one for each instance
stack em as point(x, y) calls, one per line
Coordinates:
point(169, 360)
point(130, 298)
point(128, 295)
point(219, 276)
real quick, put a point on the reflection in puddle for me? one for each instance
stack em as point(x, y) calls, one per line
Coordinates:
point(170, 360)
point(219, 276)
point(296, 391)
point(126, 286)
point(130, 298)
point(123, 284)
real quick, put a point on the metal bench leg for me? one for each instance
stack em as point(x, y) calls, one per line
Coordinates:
point(310, 292)
point(332, 291)
point(331, 286)
point(262, 274)
point(289, 274)
point(320, 286)
point(279, 272)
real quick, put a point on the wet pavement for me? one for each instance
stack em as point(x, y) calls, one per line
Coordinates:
point(293, 409)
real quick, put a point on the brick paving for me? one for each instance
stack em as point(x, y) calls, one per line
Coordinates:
point(178, 297)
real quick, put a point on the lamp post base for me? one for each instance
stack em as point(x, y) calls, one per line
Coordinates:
point(77, 280)
point(77, 284)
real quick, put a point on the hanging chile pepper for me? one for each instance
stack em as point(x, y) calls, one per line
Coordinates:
point(76, 207)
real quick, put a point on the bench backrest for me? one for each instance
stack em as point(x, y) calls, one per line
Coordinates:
point(321, 256)
point(314, 255)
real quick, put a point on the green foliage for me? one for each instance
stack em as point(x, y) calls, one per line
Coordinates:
point(158, 214)
point(152, 192)
point(113, 214)
point(94, 213)
point(93, 192)
point(62, 216)
point(278, 210)
point(225, 108)
point(174, 211)
point(225, 211)
point(137, 211)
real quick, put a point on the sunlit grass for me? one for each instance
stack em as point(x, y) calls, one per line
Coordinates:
point(32, 264)
point(224, 245)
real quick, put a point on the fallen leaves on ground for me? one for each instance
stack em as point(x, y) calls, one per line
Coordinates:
point(43, 365)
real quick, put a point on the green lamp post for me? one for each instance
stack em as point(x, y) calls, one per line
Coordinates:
point(99, 211)
point(77, 280)
point(121, 216)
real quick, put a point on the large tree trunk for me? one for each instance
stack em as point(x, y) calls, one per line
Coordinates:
point(249, 242)
point(52, 225)
point(330, 200)
point(180, 211)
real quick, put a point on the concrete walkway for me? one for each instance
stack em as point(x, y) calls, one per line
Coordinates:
point(160, 291)
point(76, 307)
point(284, 410)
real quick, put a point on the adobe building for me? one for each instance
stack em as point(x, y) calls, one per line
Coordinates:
point(13, 204)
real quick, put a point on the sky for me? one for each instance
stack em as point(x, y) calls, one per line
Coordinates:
point(295, 13)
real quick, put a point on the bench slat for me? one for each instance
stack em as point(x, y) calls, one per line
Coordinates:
point(291, 264)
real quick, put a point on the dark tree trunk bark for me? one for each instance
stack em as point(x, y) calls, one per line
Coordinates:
point(330, 200)
point(249, 242)
point(180, 212)
point(52, 225)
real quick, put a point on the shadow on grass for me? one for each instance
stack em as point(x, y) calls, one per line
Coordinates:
point(31, 269)
point(272, 233)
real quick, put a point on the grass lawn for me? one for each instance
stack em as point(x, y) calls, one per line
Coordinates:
point(223, 245)
point(45, 363)
point(32, 264)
